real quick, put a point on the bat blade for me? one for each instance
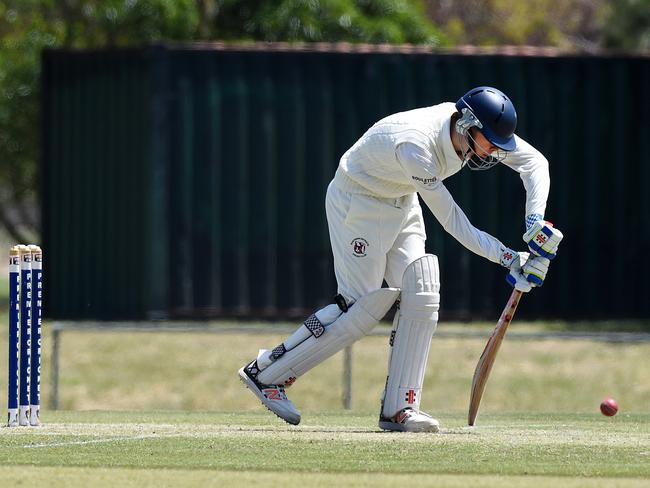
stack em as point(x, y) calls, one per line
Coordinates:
point(489, 354)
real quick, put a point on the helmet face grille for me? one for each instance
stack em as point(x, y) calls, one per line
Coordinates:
point(479, 163)
point(467, 121)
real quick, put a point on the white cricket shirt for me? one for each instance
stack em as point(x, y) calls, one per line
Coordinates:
point(412, 152)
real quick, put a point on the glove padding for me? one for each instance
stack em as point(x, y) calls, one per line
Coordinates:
point(535, 269)
point(543, 239)
point(515, 262)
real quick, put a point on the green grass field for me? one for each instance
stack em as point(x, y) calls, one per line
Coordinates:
point(132, 449)
point(167, 409)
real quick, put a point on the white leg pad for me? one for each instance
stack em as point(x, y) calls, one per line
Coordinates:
point(358, 321)
point(411, 337)
point(314, 326)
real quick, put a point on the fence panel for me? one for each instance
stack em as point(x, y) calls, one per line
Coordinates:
point(189, 181)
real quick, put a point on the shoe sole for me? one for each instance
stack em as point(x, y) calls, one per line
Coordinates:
point(253, 388)
point(392, 426)
point(395, 427)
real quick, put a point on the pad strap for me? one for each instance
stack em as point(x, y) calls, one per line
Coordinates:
point(360, 319)
point(314, 326)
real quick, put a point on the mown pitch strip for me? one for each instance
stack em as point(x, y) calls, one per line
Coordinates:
point(146, 447)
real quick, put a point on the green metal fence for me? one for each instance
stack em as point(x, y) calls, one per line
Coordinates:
point(190, 180)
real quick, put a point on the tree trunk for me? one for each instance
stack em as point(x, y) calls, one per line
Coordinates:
point(14, 230)
point(206, 10)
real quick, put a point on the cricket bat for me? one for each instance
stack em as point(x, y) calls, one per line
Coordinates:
point(489, 354)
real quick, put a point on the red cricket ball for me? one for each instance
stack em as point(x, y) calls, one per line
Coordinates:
point(609, 407)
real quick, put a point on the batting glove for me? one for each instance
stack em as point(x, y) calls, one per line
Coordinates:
point(515, 261)
point(543, 239)
point(535, 270)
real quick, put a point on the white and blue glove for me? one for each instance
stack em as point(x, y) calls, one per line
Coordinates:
point(529, 270)
point(515, 262)
point(542, 239)
point(535, 269)
point(526, 271)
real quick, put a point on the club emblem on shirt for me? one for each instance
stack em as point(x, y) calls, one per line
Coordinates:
point(359, 246)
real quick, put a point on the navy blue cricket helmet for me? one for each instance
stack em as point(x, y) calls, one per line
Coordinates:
point(495, 113)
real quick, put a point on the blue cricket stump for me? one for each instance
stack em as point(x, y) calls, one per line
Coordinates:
point(25, 333)
point(14, 332)
point(35, 367)
point(25, 315)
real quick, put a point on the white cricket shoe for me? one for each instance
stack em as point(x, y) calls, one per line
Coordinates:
point(272, 397)
point(409, 420)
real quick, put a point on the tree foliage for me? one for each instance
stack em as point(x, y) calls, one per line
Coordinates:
point(560, 23)
point(372, 21)
point(28, 26)
point(100, 23)
point(19, 126)
point(628, 25)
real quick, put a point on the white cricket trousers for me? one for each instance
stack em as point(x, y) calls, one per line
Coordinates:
point(373, 239)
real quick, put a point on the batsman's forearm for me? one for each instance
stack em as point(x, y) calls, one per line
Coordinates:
point(455, 222)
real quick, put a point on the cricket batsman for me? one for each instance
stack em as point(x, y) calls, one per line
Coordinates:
point(377, 233)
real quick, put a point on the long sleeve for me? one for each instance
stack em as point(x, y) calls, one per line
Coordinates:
point(532, 167)
point(422, 168)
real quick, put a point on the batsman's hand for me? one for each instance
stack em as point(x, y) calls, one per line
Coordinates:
point(535, 269)
point(543, 239)
point(515, 262)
